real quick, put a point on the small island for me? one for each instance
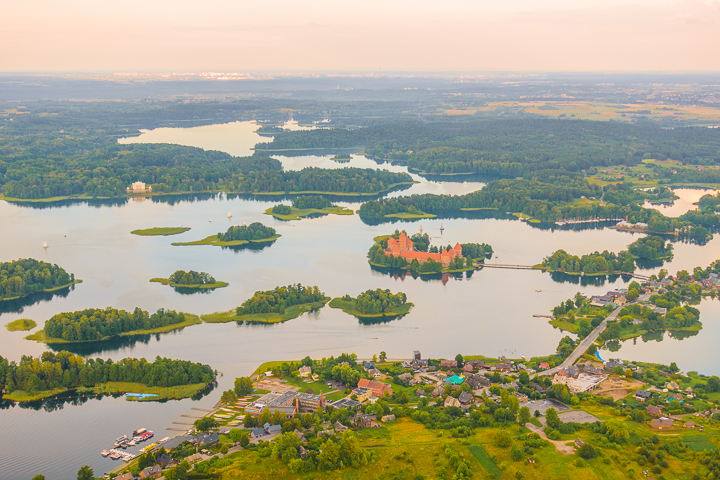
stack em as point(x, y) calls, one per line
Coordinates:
point(416, 254)
point(27, 276)
point(191, 280)
point(160, 231)
point(98, 325)
point(238, 235)
point(653, 248)
point(376, 303)
point(21, 382)
point(273, 306)
point(342, 158)
point(21, 325)
point(605, 263)
point(307, 206)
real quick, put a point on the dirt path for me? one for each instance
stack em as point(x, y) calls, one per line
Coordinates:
point(559, 445)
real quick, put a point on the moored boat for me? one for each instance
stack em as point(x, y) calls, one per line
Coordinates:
point(104, 453)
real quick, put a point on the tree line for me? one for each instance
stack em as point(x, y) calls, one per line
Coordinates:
point(96, 324)
point(26, 276)
point(254, 231)
point(311, 201)
point(65, 370)
point(593, 263)
point(278, 299)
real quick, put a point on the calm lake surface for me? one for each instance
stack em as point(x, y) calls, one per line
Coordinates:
point(488, 312)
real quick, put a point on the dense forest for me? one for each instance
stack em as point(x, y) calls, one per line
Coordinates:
point(312, 179)
point(65, 370)
point(373, 302)
point(513, 147)
point(549, 196)
point(651, 248)
point(254, 231)
point(477, 250)
point(192, 277)
point(26, 276)
point(96, 324)
point(594, 263)
point(311, 201)
point(278, 299)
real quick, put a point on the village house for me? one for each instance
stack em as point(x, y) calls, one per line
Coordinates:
point(151, 472)
point(468, 368)
point(403, 247)
point(305, 371)
point(369, 365)
point(375, 373)
point(543, 366)
point(362, 393)
point(437, 392)
point(448, 363)
point(378, 388)
point(642, 395)
point(466, 399)
point(654, 411)
point(570, 371)
point(579, 442)
point(124, 476)
point(661, 423)
point(339, 427)
point(387, 418)
point(452, 402)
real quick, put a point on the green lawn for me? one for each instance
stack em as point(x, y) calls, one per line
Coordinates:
point(213, 240)
point(482, 456)
point(290, 313)
point(160, 231)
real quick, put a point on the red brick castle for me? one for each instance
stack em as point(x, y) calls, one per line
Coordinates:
point(403, 247)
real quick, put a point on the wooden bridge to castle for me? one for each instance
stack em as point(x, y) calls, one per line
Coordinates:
point(533, 267)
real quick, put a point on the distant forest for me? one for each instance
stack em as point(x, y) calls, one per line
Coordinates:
point(26, 276)
point(514, 147)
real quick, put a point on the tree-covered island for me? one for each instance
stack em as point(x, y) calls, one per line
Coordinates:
point(273, 306)
point(651, 248)
point(191, 280)
point(55, 373)
point(97, 325)
point(416, 254)
point(308, 205)
point(605, 263)
point(238, 235)
point(376, 303)
point(27, 276)
point(342, 158)
point(160, 231)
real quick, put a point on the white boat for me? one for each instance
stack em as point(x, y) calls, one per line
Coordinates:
point(45, 245)
point(229, 215)
point(210, 220)
point(104, 453)
point(243, 224)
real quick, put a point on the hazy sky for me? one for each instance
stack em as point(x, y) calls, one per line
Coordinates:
point(359, 35)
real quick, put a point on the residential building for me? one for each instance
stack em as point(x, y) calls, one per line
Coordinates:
point(362, 393)
point(448, 363)
point(151, 472)
point(124, 476)
point(642, 395)
point(388, 418)
point(378, 388)
point(305, 371)
point(452, 402)
point(654, 411)
point(661, 423)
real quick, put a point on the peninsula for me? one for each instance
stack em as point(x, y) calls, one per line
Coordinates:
point(98, 325)
point(191, 280)
point(238, 235)
point(160, 231)
point(63, 372)
point(307, 206)
point(273, 306)
point(376, 303)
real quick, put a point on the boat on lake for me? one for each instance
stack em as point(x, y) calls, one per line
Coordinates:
point(105, 453)
point(229, 215)
point(45, 245)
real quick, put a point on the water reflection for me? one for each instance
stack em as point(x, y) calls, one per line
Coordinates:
point(402, 273)
point(688, 198)
point(588, 280)
point(18, 305)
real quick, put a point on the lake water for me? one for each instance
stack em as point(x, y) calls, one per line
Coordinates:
point(488, 312)
point(688, 198)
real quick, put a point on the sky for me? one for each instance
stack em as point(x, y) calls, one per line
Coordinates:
point(359, 35)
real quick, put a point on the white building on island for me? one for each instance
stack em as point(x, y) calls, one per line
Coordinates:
point(139, 187)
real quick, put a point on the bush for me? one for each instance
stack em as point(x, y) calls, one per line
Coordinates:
point(587, 452)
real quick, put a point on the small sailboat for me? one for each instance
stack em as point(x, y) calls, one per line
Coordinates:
point(538, 290)
point(441, 227)
point(420, 229)
point(210, 220)
point(45, 245)
point(229, 215)
point(243, 224)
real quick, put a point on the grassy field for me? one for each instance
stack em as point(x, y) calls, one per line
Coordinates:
point(21, 325)
point(205, 286)
point(349, 308)
point(290, 313)
point(213, 240)
point(298, 213)
point(160, 231)
point(163, 393)
point(40, 336)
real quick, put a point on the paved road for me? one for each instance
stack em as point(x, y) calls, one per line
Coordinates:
point(590, 339)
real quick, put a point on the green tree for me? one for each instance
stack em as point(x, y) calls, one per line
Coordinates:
point(147, 460)
point(228, 396)
point(617, 430)
point(502, 439)
point(516, 453)
point(244, 441)
point(632, 295)
point(85, 473)
point(383, 356)
point(586, 451)
point(39, 477)
point(243, 386)
point(524, 377)
point(552, 419)
point(713, 384)
point(459, 359)
point(204, 424)
point(524, 415)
